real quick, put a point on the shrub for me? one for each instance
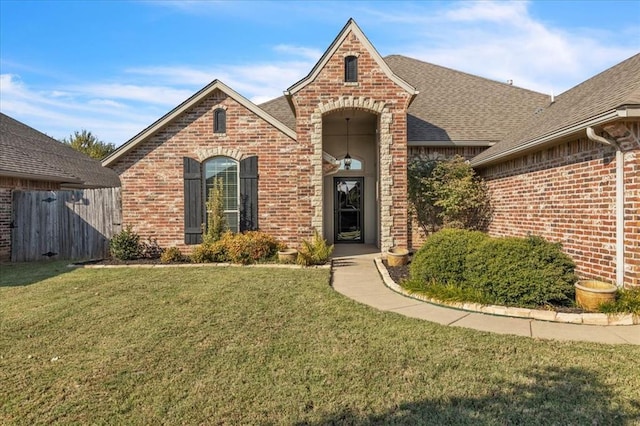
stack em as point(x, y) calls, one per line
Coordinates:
point(627, 301)
point(249, 247)
point(245, 248)
point(447, 194)
point(150, 249)
point(527, 272)
point(209, 253)
point(125, 245)
point(314, 251)
point(172, 255)
point(442, 258)
point(216, 222)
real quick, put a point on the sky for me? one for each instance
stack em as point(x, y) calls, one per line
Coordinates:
point(114, 67)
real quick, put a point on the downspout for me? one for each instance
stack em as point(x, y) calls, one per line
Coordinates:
point(591, 134)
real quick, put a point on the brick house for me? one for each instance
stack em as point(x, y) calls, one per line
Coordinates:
point(332, 153)
point(33, 161)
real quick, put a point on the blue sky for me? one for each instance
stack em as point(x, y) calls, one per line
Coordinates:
point(114, 67)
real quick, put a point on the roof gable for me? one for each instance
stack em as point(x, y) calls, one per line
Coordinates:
point(193, 100)
point(350, 27)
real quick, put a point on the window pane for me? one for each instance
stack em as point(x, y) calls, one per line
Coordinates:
point(226, 170)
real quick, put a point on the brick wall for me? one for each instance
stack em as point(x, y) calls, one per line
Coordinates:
point(7, 185)
point(152, 173)
point(567, 194)
point(375, 93)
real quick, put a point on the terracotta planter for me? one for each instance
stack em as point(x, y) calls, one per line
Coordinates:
point(590, 294)
point(287, 255)
point(397, 256)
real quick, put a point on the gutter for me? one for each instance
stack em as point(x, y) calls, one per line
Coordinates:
point(591, 134)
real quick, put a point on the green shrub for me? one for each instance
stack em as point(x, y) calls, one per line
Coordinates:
point(527, 272)
point(209, 252)
point(442, 258)
point(125, 245)
point(172, 255)
point(216, 221)
point(627, 301)
point(314, 251)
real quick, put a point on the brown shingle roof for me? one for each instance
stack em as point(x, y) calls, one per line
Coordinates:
point(31, 154)
point(280, 109)
point(614, 88)
point(456, 106)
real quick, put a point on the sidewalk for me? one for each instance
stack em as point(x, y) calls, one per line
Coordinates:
point(355, 275)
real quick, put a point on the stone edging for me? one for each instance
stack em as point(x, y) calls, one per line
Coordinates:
point(536, 314)
point(198, 265)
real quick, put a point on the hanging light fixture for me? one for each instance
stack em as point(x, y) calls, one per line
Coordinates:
point(347, 158)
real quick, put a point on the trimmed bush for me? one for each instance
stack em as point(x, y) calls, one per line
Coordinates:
point(249, 247)
point(125, 245)
point(442, 258)
point(527, 272)
point(172, 255)
point(150, 249)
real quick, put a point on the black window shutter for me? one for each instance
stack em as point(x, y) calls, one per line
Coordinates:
point(351, 69)
point(192, 201)
point(249, 194)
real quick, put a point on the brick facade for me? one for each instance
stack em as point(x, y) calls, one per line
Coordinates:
point(7, 185)
point(152, 173)
point(375, 93)
point(566, 193)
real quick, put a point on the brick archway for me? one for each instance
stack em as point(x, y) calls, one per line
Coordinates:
point(385, 177)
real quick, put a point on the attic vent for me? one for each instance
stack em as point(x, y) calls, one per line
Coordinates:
point(539, 110)
point(351, 69)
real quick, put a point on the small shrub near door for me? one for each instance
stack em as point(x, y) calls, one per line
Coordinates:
point(314, 251)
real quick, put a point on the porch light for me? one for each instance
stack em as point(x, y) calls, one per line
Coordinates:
point(347, 158)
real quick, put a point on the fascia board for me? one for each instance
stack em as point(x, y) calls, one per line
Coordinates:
point(575, 128)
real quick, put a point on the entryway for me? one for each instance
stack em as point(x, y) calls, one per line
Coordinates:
point(349, 209)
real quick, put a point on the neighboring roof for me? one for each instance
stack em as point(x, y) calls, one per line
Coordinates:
point(200, 95)
point(454, 107)
point(351, 26)
point(610, 95)
point(30, 154)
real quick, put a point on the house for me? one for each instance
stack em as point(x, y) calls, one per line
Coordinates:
point(332, 153)
point(31, 160)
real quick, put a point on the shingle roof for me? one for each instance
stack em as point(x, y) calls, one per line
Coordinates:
point(451, 105)
point(456, 106)
point(614, 88)
point(31, 154)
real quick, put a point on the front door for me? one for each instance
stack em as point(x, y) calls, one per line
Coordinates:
point(348, 206)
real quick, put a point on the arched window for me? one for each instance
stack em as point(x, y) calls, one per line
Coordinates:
point(220, 121)
point(224, 169)
point(351, 69)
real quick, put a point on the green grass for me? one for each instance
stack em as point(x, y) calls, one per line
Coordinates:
point(276, 346)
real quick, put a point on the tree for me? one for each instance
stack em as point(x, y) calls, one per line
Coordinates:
point(447, 194)
point(216, 222)
point(89, 144)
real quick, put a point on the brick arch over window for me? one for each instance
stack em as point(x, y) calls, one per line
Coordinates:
point(206, 153)
point(385, 118)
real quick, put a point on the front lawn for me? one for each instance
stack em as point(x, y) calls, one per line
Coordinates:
point(215, 345)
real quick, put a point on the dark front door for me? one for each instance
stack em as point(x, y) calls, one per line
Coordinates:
point(348, 223)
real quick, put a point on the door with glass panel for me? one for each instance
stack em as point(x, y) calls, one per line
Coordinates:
point(348, 205)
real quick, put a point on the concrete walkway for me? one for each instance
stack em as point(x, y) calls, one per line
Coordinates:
point(355, 275)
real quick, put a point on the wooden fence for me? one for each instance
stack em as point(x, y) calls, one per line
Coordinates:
point(64, 224)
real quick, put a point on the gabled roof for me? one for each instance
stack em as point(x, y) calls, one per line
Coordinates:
point(193, 100)
point(610, 95)
point(350, 27)
point(454, 107)
point(30, 154)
